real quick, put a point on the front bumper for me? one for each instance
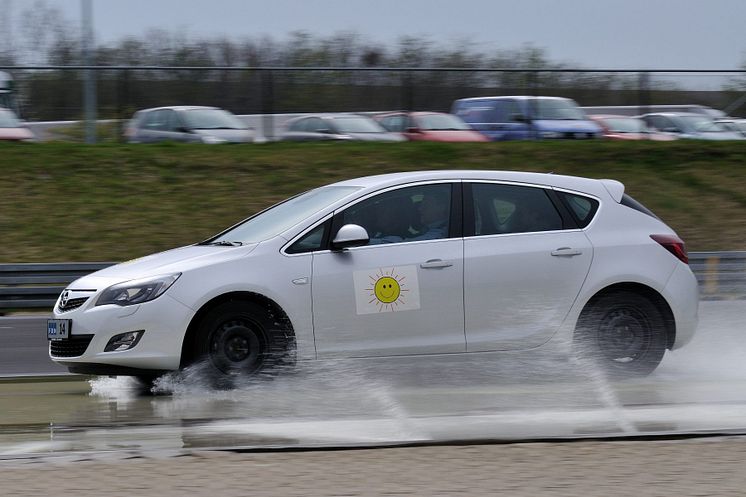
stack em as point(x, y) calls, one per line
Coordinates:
point(163, 320)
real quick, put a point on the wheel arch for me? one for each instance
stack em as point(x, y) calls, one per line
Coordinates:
point(278, 313)
point(644, 290)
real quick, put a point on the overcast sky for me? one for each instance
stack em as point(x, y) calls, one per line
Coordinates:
point(687, 34)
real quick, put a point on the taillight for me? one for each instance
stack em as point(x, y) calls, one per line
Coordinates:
point(673, 244)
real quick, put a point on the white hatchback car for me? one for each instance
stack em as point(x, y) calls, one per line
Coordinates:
point(441, 262)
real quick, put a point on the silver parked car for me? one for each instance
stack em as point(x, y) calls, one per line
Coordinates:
point(689, 125)
point(194, 124)
point(324, 127)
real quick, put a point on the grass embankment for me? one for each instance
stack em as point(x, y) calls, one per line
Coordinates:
point(71, 202)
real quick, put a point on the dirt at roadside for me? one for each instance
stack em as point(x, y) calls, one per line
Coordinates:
point(701, 467)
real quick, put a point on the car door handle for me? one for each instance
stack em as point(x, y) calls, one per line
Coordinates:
point(566, 252)
point(435, 264)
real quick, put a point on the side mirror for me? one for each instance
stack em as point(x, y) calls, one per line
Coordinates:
point(350, 235)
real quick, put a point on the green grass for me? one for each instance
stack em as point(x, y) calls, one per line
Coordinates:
point(72, 202)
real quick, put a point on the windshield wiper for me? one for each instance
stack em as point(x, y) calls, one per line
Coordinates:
point(224, 243)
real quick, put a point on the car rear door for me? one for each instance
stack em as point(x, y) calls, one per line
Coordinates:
point(524, 264)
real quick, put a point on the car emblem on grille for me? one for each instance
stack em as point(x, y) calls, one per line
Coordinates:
point(65, 297)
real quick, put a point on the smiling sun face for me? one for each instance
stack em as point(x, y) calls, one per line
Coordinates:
point(387, 290)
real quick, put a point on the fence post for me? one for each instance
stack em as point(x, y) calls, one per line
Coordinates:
point(407, 91)
point(122, 103)
point(643, 92)
point(266, 78)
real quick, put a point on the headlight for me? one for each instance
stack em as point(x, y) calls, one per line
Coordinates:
point(212, 139)
point(137, 291)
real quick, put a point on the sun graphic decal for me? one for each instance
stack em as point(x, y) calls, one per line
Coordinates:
point(387, 289)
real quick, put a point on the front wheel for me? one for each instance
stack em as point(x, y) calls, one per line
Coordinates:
point(239, 338)
point(622, 332)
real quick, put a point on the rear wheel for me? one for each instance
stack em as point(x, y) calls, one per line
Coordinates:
point(240, 338)
point(622, 332)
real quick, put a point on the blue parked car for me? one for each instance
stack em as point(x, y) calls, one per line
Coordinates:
point(525, 117)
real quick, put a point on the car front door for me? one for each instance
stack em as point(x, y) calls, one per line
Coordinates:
point(524, 264)
point(402, 293)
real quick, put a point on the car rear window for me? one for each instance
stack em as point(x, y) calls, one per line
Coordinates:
point(634, 204)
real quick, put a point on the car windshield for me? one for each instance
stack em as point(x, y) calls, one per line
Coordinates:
point(211, 119)
point(357, 124)
point(273, 221)
point(556, 109)
point(701, 124)
point(441, 122)
point(8, 119)
point(625, 125)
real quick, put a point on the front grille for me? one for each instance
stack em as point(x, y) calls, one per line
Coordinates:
point(75, 346)
point(72, 304)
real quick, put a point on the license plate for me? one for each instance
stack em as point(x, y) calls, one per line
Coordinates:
point(59, 329)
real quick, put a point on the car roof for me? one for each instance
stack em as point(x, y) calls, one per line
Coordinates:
point(180, 107)
point(575, 183)
point(675, 114)
point(329, 115)
point(611, 116)
point(513, 97)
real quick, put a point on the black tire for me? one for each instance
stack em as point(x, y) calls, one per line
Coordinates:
point(242, 338)
point(622, 332)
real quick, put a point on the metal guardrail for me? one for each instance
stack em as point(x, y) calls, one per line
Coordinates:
point(721, 275)
point(37, 286)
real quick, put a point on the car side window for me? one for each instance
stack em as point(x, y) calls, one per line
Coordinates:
point(297, 125)
point(408, 214)
point(584, 208)
point(397, 123)
point(159, 121)
point(311, 241)
point(316, 125)
point(501, 209)
point(173, 121)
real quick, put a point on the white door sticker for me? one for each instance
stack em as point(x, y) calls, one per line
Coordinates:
point(386, 289)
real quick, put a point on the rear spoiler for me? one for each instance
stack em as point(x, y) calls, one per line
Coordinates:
point(614, 187)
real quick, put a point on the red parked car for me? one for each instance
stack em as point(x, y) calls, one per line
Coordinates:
point(429, 126)
point(627, 128)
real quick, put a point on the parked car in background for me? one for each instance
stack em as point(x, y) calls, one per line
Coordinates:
point(526, 117)
point(194, 124)
point(688, 125)
point(11, 128)
point(636, 110)
point(737, 125)
point(627, 128)
point(326, 127)
point(429, 126)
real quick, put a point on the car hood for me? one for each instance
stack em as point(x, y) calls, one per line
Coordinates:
point(453, 136)
point(229, 135)
point(716, 135)
point(377, 137)
point(176, 260)
point(15, 134)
